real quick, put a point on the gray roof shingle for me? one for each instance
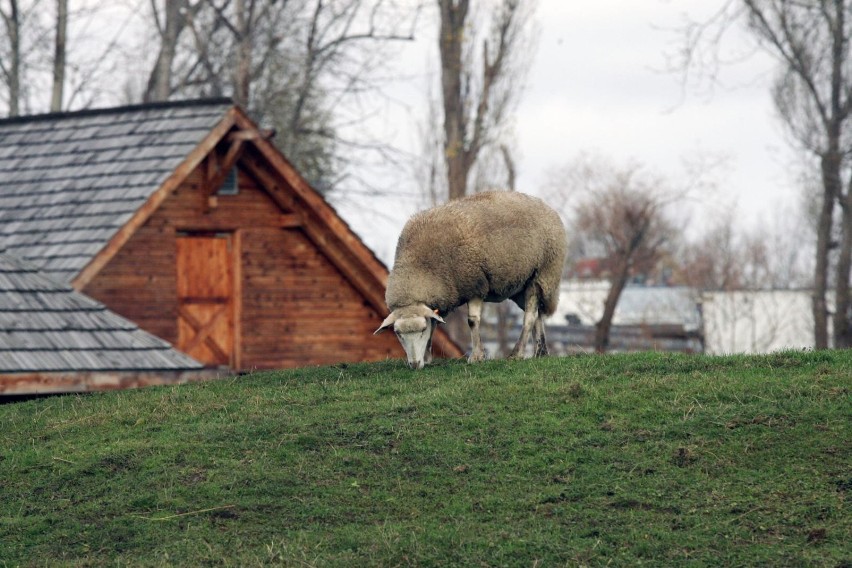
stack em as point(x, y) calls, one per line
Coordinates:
point(45, 326)
point(70, 181)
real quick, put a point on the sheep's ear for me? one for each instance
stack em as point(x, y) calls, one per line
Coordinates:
point(389, 321)
point(437, 317)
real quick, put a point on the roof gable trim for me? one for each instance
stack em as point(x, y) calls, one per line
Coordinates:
point(168, 187)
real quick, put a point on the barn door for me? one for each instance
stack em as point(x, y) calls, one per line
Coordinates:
point(205, 287)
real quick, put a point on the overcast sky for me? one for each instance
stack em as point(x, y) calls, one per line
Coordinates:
point(597, 83)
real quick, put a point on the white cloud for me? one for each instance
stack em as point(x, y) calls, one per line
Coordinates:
point(597, 83)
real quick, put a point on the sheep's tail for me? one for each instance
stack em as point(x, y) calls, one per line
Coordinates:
point(548, 280)
point(548, 299)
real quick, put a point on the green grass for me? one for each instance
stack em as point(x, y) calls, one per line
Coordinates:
point(655, 459)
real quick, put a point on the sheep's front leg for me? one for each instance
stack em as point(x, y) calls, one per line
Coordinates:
point(427, 357)
point(530, 317)
point(474, 315)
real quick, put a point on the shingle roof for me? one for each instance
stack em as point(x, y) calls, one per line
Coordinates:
point(46, 326)
point(70, 181)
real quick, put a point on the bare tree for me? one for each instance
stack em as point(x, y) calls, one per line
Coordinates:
point(243, 21)
point(629, 223)
point(619, 214)
point(733, 255)
point(476, 102)
point(712, 261)
point(813, 94)
point(223, 49)
point(293, 64)
point(748, 279)
point(58, 58)
point(25, 49)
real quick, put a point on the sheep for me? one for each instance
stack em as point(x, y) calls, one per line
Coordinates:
point(483, 248)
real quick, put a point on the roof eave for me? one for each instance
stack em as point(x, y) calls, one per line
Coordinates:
point(17, 384)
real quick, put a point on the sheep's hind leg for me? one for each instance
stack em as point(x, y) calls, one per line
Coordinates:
point(540, 339)
point(530, 317)
point(474, 315)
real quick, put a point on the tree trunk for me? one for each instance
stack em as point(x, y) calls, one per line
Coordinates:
point(13, 28)
point(840, 42)
point(604, 325)
point(830, 164)
point(841, 323)
point(159, 86)
point(59, 56)
point(451, 41)
point(242, 72)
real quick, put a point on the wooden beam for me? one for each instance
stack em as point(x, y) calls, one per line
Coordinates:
point(218, 170)
point(203, 330)
point(71, 381)
point(237, 299)
point(212, 165)
point(251, 134)
point(228, 161)
point(270, 182)
point(291, 221)
point(195, 157)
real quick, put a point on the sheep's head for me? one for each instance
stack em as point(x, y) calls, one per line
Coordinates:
point(414, 326)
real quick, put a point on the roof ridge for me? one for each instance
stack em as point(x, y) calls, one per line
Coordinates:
point(118, 109)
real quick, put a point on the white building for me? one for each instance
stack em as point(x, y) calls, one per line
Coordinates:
point(758, 321)
point(582, 302)
point(646, 318)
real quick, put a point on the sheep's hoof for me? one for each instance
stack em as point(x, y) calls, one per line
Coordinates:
point(476, 357)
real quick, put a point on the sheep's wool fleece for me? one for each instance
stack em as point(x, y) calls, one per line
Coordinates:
point(488, 245)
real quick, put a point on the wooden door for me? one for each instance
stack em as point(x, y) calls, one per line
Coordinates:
point(206, 299)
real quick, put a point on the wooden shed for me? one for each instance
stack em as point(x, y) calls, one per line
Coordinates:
point(185, 219)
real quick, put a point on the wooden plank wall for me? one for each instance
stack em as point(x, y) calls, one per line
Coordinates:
point(296, 308)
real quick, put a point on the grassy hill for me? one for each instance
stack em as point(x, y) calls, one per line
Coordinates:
point(588, 460)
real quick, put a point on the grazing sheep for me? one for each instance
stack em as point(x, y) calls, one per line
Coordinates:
point(484, 248)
